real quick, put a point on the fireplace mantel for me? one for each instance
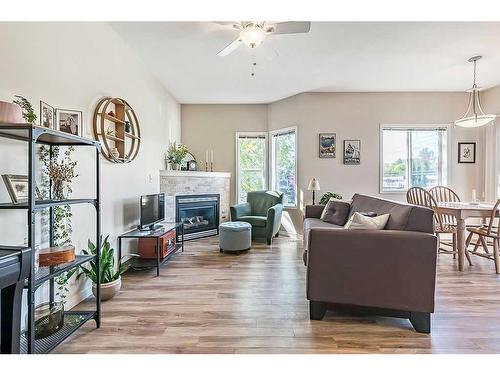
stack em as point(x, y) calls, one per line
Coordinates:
point(194, 174)
point(174, 183)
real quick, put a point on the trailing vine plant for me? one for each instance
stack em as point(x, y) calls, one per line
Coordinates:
point(28, 112)
point(58, 172)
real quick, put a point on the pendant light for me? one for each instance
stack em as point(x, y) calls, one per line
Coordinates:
point(474, 116)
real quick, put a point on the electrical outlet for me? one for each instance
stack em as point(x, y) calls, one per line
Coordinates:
point(150, 178)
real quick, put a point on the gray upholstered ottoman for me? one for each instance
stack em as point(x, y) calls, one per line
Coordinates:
point(235, 236)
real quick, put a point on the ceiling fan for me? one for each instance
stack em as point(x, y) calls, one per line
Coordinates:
point(253, 33)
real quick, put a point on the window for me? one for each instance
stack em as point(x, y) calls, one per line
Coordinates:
point(413, 156)
point(251, 162)
point(284, 164)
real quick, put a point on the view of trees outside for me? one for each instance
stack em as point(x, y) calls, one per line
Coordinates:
point(427, 149)
point(252, 154)
point(284, 166)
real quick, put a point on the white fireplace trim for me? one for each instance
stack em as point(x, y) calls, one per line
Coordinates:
point(165, 173)
point(174, 183)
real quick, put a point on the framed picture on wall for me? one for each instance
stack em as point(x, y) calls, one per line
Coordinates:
point(327, 145)
point(69, 121)
point(352, 152)
point(47, 115)
point(467, 152)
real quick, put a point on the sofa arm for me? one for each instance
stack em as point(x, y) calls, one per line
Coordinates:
point(239, 210)
point(314, 211)
point(376, 268)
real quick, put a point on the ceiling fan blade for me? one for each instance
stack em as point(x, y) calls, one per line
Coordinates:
point(230, 48)
point(290, 27)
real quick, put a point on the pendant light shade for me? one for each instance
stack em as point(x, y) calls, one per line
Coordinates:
point(474, 116)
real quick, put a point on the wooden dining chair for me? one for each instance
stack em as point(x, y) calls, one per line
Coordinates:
point(443, 224)
point(446, 194)
point(487, 232)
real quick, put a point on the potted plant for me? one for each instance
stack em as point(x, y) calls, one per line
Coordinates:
point(110, 275)
point(326, 197)
point(175, 155)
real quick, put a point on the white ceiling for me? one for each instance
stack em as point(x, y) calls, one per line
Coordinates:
point(333, 56)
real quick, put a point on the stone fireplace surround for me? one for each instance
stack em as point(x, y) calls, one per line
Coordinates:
point(174, 183)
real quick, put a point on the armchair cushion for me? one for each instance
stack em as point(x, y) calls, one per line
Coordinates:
point(262, 200)
point(256, 221)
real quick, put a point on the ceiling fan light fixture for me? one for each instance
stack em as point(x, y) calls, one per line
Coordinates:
point(474, 116)
point(253, 36)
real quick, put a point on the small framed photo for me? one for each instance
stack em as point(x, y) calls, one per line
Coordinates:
point(467, 152)
point(327, 145)
point(69, 121)
point(18, 189)
point(47, 115)
point(352, 152)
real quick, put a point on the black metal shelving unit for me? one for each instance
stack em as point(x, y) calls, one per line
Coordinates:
point(73, 320)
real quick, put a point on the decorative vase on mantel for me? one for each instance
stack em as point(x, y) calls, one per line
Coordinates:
point(174, 166)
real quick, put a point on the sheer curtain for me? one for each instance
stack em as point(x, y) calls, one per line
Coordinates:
point(492, 161)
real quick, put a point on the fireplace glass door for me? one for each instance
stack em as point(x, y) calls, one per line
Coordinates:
point(199, 215)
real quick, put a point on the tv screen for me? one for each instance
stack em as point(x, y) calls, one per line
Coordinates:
point(152, 209)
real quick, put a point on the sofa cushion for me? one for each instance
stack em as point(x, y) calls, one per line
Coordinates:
point(311, 223)
point(335, 212)
point(256, 221)
point(402, 216)
point(359, 221)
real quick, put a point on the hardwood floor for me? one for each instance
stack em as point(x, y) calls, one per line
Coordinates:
point(207, 302)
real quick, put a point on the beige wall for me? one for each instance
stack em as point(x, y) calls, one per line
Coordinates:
point(213, 127)
point(72, 65)
point(350, 116)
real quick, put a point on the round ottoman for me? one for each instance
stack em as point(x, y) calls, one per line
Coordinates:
point(235, 236)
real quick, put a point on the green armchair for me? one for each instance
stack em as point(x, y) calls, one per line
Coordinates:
point(263, 211)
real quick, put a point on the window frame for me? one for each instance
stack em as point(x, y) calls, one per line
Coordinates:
point(407, 127)
point(272, 159)
point(266, 160)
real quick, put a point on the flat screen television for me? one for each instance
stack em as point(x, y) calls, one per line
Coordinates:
point(152, 210)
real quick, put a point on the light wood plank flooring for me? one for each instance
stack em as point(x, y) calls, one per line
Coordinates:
point(207, 302)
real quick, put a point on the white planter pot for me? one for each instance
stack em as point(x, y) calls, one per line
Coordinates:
point(108, 290)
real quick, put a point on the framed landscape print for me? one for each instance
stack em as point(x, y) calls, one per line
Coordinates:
point(352, 152)
point(69, 121)
point(47, 115)
point(467, 152)
point(327, 145)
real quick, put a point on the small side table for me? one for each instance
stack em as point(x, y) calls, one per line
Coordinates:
point(157, 234)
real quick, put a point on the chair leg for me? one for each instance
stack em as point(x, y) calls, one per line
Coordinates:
point(454, 243)
point(496, 255)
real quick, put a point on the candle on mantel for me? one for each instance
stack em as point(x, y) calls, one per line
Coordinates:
point(474, 197)
point(211, 156)
point(206, 156)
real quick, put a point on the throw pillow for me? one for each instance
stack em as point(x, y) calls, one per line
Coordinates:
point(359, 221)
point(335, 212)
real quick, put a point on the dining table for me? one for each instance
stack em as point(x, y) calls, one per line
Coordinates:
point(463, 211)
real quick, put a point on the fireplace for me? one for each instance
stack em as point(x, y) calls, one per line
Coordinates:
point(199, 215)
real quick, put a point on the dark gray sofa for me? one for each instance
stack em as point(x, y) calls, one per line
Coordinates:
point(387, 272)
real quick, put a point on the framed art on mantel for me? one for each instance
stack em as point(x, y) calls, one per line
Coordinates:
point(327, 145)
point(467, 152)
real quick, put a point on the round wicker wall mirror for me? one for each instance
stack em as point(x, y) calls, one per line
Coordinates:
point(117, 128)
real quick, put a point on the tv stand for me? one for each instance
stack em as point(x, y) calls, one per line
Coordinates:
point(157, 237)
